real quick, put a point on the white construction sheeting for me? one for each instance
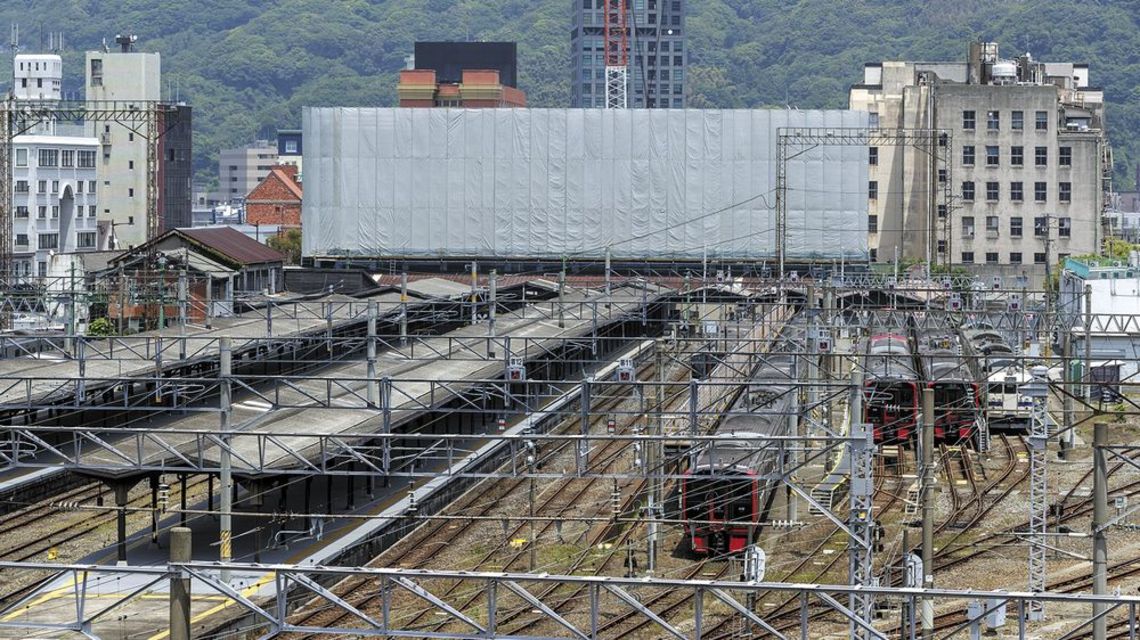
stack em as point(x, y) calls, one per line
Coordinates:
point(516, 183)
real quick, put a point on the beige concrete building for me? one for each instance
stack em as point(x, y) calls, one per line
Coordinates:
point(1025, 175)
point(130, 77)
point(243, 168)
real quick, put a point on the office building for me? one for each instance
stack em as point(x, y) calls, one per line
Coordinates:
point(1026, 173)
point(243, 168)
point(290, 148)
point(462, 74)
point(657, 54)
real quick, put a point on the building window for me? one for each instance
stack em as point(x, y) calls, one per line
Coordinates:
point(41, 212)
point(872, 224)
point(1040, 191)
point(968, 191)
point(130, 193)
point(993, 120)
point(21, 157)
point(290, 146)
point(1041, 156)
point(968, 155)
point(1039, 258)
point(873, 189)
point(1065, 192)
point(55, 186)
point(968, 227)
point(1016, 192)
point(941, 246)
point(967, 257)
point(991, 258)
point(992, 157)
point(1017, 120)
point(941, 176)
point(1015, 257)
point(86, 159)
point(41, 266)
point(968, 120)
point(79, 187)
point(22, 239)
point(67, 158)
point(85, 239)
point(941, 211)
point(992, 226)
point(872, 156)
point(1040, 226)
point(91, 187)
point(992, 191)
point(1065, 227)
point(874, 255)
point(1065, 156)
point(1042, 120)
point(22, 186)
point(21, 211)
point(130, 164)
point(91, 211)
point(1015, 227)
point(49, 241)
point(49, 158)
point(1017, 156)
point(55, 211)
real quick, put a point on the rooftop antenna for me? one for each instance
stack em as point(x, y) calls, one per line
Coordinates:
point(106, 49)
point(14, 41)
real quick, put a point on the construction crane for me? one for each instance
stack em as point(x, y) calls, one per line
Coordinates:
point(616, 35)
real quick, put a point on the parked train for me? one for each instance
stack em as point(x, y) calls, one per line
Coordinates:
point(945, 369)
point(890, 388)
point(996, 362)
point(724, 494)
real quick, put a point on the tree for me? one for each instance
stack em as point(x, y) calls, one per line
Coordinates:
point(287, 242)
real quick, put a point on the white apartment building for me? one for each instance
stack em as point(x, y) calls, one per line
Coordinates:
point(1027, 169)
point(55, 187)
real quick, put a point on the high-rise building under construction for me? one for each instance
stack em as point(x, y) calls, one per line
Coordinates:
point(657, 53)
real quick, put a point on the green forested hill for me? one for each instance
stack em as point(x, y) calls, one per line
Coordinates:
point(248, 66)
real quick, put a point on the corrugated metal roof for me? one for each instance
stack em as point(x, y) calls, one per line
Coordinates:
point(233, 244)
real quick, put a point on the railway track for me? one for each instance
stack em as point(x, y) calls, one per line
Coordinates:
point(476, 502)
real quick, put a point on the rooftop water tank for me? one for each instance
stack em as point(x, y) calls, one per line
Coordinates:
point(1005, 72)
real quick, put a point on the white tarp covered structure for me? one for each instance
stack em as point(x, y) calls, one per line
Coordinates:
point(570, 182)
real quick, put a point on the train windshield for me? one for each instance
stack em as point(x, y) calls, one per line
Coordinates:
point(721, 499)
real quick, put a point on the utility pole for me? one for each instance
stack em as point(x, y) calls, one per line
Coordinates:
point(474, 292)
point(653, 459)
point(561, 295)
point(404, 308)
point(860, 516)
point(1100, 535)
point(492, 302)
point(1086, 371)
point(180, 551)
point(608, 283)
point(225, 525)
point(928, 510)
point(370, 392)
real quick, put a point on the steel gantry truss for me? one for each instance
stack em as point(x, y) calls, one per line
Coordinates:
point(936, 143)
point(82, 592)
point(148, 119)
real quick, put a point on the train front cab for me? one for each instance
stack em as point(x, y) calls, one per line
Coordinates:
point(720, 514)
point(891, 408)
point(956, 407)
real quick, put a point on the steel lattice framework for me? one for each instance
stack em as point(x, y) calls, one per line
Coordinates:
point(147, 119)
point(616, 37)
point(936, 143)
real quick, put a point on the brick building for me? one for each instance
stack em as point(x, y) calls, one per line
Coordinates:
point(479, 88)
point(276, 200)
